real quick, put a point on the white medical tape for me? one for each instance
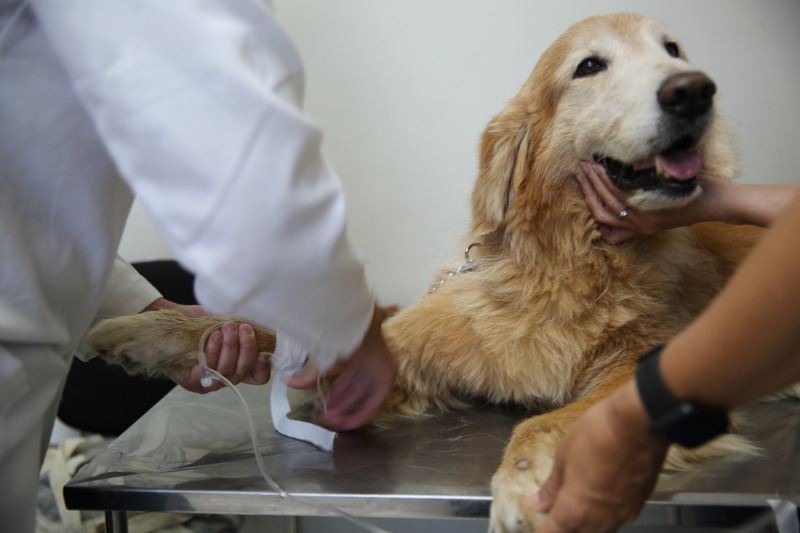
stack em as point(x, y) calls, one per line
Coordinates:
point(785, 516)
point(289, 358)
point(296, 429)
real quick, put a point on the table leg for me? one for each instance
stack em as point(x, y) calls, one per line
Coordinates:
point(116, 522)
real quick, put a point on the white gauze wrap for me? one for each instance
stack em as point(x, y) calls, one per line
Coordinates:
point(288, 359)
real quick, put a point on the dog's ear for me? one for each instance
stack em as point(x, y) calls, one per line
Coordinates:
point(504, 153)
point(511, 143)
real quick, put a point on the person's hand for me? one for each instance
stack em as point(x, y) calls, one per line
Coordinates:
point(605, 468)
point(619, 222)
point(719, 199)
point(359, 391)
point(231, 351)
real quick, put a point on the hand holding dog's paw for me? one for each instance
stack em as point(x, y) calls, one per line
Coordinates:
point(232, 351)
point(167, 342)
point(602, 476)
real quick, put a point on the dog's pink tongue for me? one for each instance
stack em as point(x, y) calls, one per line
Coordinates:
point(681, 164)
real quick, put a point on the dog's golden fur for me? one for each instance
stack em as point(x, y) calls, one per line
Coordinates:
point(551, 316)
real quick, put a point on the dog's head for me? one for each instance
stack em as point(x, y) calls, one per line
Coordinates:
point(615, 89)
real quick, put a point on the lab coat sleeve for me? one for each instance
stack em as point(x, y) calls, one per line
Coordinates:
point(198, 104)
point(126, 293)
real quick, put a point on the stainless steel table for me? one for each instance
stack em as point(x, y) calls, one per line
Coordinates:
point(193, 453)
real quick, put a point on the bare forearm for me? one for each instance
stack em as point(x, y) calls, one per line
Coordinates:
point(747, 343)
point(742, 203)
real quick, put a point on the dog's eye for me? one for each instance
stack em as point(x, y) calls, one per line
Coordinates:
point(589, 67)
point(672, 49)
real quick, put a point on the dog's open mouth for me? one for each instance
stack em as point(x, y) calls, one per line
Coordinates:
point(674, 172)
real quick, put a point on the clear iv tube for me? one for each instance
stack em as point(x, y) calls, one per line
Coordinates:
point(207, 374)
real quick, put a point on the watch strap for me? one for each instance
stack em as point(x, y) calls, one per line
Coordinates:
point(683, 423)
point(656, 397)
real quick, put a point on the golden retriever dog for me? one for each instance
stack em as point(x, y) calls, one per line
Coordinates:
point(549, 315)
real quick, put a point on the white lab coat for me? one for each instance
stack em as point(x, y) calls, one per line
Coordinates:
point(195, 104)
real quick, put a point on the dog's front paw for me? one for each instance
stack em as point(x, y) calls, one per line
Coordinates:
point(155, 342)
point(523, 471)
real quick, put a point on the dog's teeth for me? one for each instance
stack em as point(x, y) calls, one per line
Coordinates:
point(659, 168)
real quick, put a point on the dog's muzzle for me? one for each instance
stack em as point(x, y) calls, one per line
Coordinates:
point(686, 100)
point(674, 173)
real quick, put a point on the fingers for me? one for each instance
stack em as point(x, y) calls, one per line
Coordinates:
point(606, 189)
point(238, 354)
point(191, 380)
point(352, 402)
point(616, 221)
point(306, 378)
point(543, 500)
point(357, 394)
point(367, 379)
point(213, 349)
point(255, 371)
point(605, 468)
point(245, 351)
point(233, 352)
point(342, 402)
point(567, 513)
point(360, 407)
point(228, 351)
point(593, 201)
point(615, 235)
point(571, 515)
point(604, 200)
point(260, 374)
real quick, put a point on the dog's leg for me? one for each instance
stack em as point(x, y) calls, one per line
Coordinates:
point(529, 458)
point(159, 342)
point(530, 455)
point(440, 358)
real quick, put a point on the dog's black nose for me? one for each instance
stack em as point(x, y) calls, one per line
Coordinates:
point(687, 94)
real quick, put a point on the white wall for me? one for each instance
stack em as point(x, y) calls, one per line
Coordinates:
point(403, 89)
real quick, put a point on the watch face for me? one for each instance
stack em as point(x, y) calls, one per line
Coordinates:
point(690, 425)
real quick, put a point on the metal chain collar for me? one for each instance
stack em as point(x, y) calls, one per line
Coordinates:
point(468, 266)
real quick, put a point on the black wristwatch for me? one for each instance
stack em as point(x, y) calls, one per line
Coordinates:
point(684, 423)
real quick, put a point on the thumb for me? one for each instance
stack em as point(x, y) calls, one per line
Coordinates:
point(615, 235)
point(306, 378)
point(543, 500)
